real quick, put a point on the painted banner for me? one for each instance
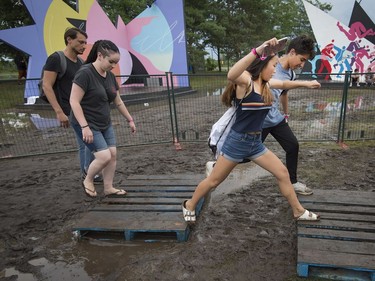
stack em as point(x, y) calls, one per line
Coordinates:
point(153, 43)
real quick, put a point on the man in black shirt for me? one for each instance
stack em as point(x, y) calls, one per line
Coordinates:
point(58, 90)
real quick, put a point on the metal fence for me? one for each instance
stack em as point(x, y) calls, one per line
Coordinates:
point(182, 108)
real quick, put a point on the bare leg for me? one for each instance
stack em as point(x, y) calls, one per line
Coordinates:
point(102, 159)
point(273, 164)
point(109, 173)
point(219, 173)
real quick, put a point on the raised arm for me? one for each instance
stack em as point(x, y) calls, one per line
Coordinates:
point(237, 73)
point(287, 84)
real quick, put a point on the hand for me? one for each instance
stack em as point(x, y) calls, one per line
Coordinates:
point(64, 120)
point(87, 135)
point(313, 84)
point(269, 43)
point(132, 127)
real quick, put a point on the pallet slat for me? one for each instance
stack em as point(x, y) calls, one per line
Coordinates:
point(149, 201)
point(151, 210)
point(341, 196)
point(343, 242)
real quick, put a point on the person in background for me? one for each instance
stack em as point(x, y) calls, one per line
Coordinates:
point(369, 77)
point(58, 91)
point(249, 87)
point(354, 79)
point(21, 64)
point(299, 50)
point(94, 89)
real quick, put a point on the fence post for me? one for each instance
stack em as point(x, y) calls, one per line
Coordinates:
point(172, 108)
point(169, 103)
point(344, 101)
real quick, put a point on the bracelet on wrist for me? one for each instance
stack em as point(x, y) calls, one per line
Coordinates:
point(131, 120)
point(85, 126)
point(255, 53)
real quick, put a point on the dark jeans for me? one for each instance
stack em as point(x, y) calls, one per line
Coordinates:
point(288, 141)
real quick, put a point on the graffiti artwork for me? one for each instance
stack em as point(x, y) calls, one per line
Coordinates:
point(341, 48)
point(153, 43)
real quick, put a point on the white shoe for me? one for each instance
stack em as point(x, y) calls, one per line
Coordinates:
point(301, 188)
point(209, 166)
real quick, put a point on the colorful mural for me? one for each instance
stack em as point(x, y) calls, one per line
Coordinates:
point(341, 48)
point(151, 44)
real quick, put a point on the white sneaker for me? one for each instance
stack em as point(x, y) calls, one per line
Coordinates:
point(301, 188)
point(209, 166)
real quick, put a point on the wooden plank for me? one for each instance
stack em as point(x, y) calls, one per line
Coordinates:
point(152, 206)
point(333, 273)
point(343, 241)
point(335, 234)
point(161, 182)
point(337, 246)
point(333, 224)
point(337, 208)
point(341, 196)
point(157, 227)
point(138, 208)
point(143, 201)
point(150, 188)
point(159, 194)
point(347, 217)
point(119, 221)
point(335, 258)
point(145, 208)
point(195, 177)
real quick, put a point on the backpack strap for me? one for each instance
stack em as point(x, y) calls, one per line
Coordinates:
point(63, 64)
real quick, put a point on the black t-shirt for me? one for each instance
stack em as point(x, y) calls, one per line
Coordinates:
point(99, 93)
point(63, 86)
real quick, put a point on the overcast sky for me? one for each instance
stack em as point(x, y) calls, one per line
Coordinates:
point(341, 9)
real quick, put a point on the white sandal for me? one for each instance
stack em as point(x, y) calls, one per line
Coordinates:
point(308, 216)
point(189, 216)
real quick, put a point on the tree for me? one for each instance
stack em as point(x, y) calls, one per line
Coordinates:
point(127, 9)
point(195, 17)
point(290, 18)
point(12, 14)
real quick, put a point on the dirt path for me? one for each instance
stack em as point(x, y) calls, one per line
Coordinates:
point(242, 234)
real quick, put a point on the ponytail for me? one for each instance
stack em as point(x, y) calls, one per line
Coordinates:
point(229, 94)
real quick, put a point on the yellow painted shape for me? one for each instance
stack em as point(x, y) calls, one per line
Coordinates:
point(56, 22)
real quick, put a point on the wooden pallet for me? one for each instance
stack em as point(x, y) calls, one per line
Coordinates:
point(150, 212)
point(341, 246)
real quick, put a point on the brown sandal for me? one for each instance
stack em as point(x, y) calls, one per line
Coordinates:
point(89, 192)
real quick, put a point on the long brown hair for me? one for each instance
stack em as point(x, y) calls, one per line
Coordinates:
point(255, 70)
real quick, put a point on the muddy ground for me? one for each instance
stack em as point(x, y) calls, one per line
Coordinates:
point(244, 234)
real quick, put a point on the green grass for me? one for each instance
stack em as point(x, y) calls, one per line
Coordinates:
point(11, 94)
point(212, 80)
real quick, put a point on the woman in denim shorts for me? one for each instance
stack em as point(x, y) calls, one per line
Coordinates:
point(94, 88)
point(249, 83)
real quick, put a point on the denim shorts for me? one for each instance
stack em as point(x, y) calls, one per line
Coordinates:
point(240, 146)
point(102, 139)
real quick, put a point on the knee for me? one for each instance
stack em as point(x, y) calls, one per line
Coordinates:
point(293, 146)
point(105, 157)
point(283, 174)
point(213, 182)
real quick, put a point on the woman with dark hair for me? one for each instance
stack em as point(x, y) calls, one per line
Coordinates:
point(94, 88)
point(249, 83)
